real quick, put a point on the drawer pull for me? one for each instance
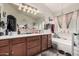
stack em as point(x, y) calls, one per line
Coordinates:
point(12, 52)
point(4, 53)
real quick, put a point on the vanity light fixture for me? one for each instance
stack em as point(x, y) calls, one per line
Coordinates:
point(28, 9)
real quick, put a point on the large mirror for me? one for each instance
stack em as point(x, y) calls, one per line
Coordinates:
point(19, 21)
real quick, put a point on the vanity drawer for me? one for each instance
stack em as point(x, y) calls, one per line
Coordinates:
point(29, 39)
point(4, 42)
point(33, 51)
point(44, 37)
point(33, 43)
point(18, 40)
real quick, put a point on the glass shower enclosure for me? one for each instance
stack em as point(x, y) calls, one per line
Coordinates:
point(75, 36)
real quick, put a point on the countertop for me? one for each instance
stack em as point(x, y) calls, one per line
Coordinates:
point(21, 35)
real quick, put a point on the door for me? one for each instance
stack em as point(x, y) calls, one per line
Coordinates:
point(44, 42)
point(49, 41)
point(4, 51)
point(18, 49)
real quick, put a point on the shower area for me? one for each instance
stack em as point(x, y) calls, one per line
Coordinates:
point(75, 36)
point(72, 24)
point(67, 35)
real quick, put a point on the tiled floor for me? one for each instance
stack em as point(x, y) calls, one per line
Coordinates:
point(50, 52)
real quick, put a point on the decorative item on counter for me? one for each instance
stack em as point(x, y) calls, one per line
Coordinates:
point(34, 23)
point(6, 32)
point(50, 19)
point(47, 26)
point(75, 44)
point(25, 26)
point(4, 14)
point(1, 33)
point(2, 24)
point(19, 31)
point(17, 26)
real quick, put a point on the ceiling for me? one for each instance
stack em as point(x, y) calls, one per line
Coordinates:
point(55, 8)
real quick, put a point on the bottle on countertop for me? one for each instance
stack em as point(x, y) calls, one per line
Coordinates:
point(18, 31)
point(6, 32)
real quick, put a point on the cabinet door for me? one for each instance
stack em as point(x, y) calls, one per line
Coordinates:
point(49, 41)
point(33, 42)
point(19, 49)
point(4, 51)
point(4, 43)
point(44, 42)
point(33, 51)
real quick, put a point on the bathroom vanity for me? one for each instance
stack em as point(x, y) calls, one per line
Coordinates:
point(24, 45)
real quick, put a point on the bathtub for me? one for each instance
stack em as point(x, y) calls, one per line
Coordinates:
point(63, 43)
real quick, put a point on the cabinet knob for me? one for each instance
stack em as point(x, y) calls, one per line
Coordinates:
point(12, 52)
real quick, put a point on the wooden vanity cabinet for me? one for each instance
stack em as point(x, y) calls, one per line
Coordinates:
point(18, 47)
point(44, 42)
point(4, 47)
point(33, 45)
point(23, 46)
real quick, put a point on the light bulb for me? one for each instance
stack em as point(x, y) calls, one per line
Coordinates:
point(20, 6)
point(24, 9)
point(28, 11)
point(32, 11)
point(37, 11)
point(30, 8)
